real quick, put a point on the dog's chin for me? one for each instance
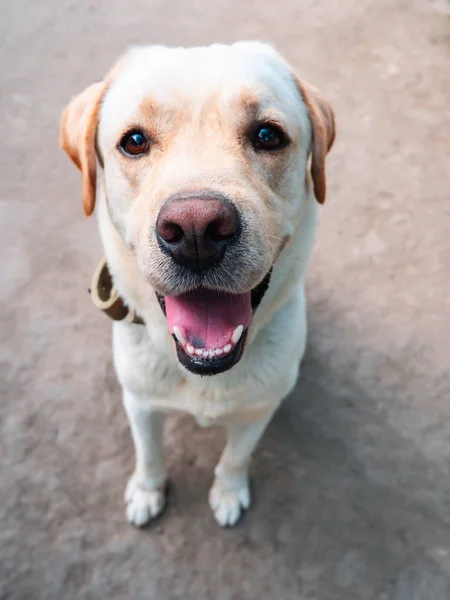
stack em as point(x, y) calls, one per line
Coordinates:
point(211, 366)
point(210, 327)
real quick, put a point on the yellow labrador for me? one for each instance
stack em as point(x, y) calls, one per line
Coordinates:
point(207, 165)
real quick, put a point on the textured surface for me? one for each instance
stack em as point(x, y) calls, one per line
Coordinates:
point(351, 481)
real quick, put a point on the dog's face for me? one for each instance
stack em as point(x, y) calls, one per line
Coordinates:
point(205, 154)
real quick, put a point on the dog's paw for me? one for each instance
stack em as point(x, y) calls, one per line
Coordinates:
point(143, 504)
point(228, 501)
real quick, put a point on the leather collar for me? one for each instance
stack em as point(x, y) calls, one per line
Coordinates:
point(107, 299)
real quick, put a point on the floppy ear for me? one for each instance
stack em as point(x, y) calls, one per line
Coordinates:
point(77, 137)
point(321, 117)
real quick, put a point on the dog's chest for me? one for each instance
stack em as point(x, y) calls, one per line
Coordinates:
point(147, 366)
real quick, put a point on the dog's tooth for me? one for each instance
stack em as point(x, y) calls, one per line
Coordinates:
point(210, 353)
point(237, 334)
point(218, 352)
point(191, 349)
point(199, 352)
point(227, 348)
point(180, 337)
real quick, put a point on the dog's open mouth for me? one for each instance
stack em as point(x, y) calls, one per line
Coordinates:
point(210, 327)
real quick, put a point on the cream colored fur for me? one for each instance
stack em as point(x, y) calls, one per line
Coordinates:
point(278, 200)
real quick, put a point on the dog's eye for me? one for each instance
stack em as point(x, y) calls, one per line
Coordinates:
point(134, 143)
point(268, 137)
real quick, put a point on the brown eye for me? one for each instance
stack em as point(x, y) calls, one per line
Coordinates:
point(268, 137)
point(134, 143)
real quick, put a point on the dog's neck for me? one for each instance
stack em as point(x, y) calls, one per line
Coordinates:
point(128, 279)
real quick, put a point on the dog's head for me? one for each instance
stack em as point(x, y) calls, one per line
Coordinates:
point(205, 153)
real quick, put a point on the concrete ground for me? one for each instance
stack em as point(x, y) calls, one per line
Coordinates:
point(351, 481)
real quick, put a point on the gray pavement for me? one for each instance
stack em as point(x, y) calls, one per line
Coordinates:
point(351, 481)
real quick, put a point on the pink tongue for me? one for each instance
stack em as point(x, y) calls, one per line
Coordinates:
point(208, 319)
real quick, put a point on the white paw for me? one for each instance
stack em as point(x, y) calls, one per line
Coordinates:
point(228, 501)
point(143, 504)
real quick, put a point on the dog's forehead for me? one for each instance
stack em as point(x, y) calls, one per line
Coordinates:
point(171, 76)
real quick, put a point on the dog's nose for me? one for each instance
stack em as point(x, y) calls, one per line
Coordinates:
point(196, 231)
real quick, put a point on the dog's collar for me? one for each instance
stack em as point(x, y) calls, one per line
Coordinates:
point(106, 298)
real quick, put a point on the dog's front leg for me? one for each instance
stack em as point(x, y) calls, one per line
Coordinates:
point(145, 494)
point(230, 492)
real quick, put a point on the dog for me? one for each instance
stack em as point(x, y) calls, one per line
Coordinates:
point(207, 166)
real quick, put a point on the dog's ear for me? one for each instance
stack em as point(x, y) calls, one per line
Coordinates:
point(321, 117)
point(77, 137)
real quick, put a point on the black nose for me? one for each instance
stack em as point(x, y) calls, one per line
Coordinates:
point(196, 230)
